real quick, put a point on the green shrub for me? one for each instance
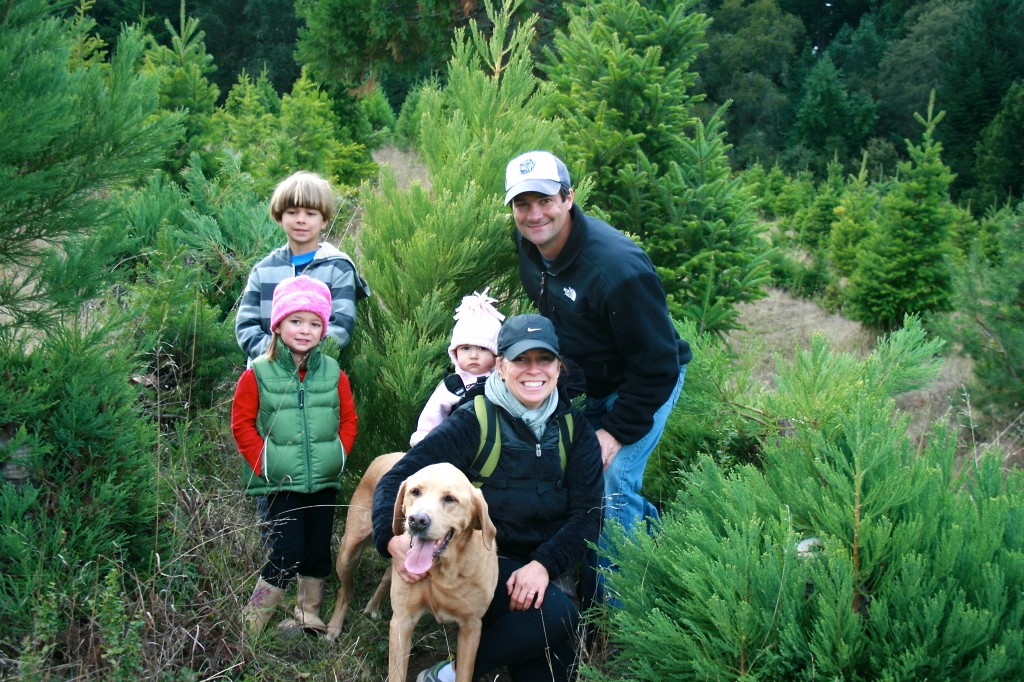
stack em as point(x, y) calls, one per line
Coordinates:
point(807, 278)
point(912, 569)
point(716, 415)
point(407, 127)
point(989, 322)
point(378, 112)
point(797, 191)
point(764, 186)
point(215, 224)
point(189, 352)
point(90, 497)
point(812, 222)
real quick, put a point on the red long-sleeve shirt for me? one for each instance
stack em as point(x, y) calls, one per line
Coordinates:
point(246, 407)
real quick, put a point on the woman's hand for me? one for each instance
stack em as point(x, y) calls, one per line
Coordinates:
point(610, 447)
point(526, 586)
point(398, 547)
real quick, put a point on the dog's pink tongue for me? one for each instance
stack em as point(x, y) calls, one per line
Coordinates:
point(420, 557)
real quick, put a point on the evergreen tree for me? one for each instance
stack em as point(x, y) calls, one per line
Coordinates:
point(855, 219)
point(751, 47)
point(856, 52)
point(273, 137)
point(314, 138)
point(423, 249)
point(813, 221)
point(183, 69)
point(998, 166)
point(254, 36)
point(73, 131)
point(89, 497)
point(902, 267)
point(112, 15)
point(987, 58)
point(387, 41)
point(823, 20)
point(988, 294)
point(623, 78)
point(708, 250)
point(248, 125)
point(847, 555)
point(831, 122)
point(912, 65)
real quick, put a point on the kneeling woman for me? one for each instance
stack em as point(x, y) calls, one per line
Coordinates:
point(544, 516)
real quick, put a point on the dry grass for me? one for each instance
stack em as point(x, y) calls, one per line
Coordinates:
point(406, 166)
point(780, 325)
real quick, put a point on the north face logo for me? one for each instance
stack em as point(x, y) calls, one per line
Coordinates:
point(526, 167)
point(570, 293)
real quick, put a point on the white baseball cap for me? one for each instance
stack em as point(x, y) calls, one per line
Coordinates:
point(536, 171)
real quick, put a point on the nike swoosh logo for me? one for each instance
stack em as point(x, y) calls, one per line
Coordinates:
point(533, 329)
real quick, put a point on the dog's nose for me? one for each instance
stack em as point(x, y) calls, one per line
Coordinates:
point(418, 522)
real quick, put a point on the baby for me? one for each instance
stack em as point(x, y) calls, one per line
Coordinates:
point(473, 349)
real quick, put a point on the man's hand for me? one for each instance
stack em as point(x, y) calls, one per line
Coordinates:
point(610, 447)
point(398, 547)
point(526, 586)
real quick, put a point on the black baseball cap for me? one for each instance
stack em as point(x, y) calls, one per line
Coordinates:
point(521, 333)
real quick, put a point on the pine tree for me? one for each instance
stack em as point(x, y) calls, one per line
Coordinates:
point(377, 41)
point(751, 46)
point(989, 323)
point(74, 130)
point(708, 249)
point(312, 137)
point(423, 249)
point(623, 80)
point(184, 68)
point(831, 122)
point(987, 57)
point(847, 555)
point(998, 154)
point(248, 125)
point(902, 266)
point(855, 218)
point(813, 221)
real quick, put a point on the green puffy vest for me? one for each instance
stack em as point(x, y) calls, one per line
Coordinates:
point(299, 422)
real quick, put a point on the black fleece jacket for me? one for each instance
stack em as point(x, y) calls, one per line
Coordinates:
point(549, 526)
point(609, 309)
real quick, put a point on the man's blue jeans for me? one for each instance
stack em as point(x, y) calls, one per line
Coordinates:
point(622, 480)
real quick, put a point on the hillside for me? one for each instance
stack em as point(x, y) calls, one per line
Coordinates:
point(779, 324)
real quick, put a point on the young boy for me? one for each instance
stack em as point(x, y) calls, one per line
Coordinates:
point(302, 204)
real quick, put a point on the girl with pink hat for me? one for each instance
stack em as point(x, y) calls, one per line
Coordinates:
point(294, 421)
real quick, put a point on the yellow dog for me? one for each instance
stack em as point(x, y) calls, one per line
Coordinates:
point(451, 536)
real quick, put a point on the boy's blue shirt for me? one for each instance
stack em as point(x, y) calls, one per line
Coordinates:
point(301, 261)
point(329, 265)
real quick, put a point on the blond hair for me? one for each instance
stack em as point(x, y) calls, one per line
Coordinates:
point(303, 189)
point(273, 349)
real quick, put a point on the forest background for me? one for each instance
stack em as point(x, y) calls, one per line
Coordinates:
point(829, 513)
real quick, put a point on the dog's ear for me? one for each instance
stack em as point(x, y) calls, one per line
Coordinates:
point(398, 518)
point(482, 519)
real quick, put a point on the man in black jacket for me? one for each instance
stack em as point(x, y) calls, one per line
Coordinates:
point(608, 306)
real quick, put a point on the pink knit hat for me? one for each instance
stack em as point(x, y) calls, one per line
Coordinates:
point(300, 294)
point(477, 323)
